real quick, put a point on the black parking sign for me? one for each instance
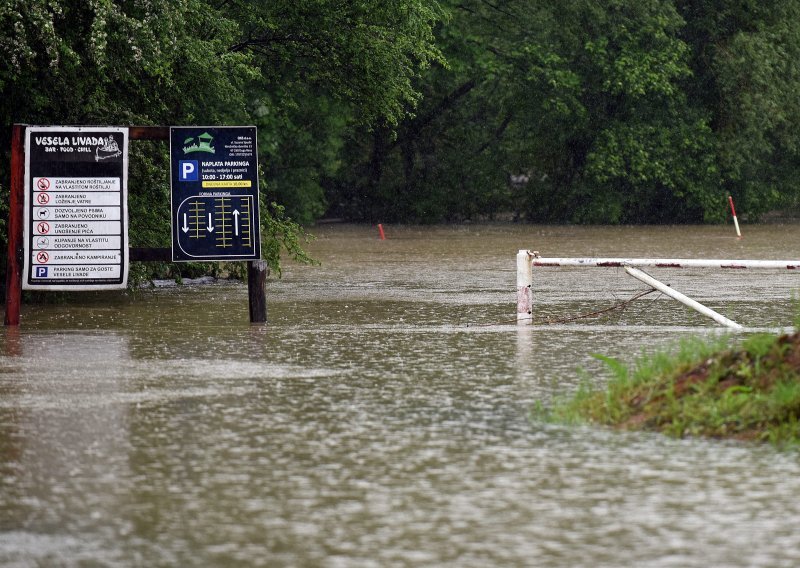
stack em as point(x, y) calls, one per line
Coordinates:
point(214, 181)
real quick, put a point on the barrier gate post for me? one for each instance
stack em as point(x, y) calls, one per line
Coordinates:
point(524, 287)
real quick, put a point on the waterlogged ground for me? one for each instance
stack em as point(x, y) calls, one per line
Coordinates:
point(383, 417)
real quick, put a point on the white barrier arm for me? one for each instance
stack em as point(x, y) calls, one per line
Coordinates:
point(669, 263)
point(526, 260)
point(685, 300)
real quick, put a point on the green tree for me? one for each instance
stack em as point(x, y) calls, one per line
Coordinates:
point(102, 62)
point(569, 111)
point(745, 59)
point(302, 71)
point(444, 161)
point(327, 67)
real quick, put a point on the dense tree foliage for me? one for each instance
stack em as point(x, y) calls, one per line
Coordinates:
point(745, 75)
point(591, 111)
point(604, 111)
point(301, 71)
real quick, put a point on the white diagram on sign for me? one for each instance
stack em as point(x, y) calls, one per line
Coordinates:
point(211, 225)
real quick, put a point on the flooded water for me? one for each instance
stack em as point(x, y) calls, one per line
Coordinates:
point(383, 416)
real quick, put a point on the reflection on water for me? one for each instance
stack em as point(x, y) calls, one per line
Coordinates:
point(383, 416)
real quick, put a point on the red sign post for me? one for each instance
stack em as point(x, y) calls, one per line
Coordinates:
point(15, 215)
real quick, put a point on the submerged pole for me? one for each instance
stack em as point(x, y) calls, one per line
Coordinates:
point(685, 300)
point(257, 271)
point(524, 287)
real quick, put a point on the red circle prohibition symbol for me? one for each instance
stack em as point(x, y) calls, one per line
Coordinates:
point(43, 198)
point(42, 257)
point(43, 228)
point(43, 184)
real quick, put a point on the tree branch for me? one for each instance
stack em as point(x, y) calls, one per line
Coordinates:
point(417, 125)
point(498, 133)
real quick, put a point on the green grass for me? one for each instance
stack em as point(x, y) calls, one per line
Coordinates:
point(703, 388)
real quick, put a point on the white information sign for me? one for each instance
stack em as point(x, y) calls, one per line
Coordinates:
point(76, 214)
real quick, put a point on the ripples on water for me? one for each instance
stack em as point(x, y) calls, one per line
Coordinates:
point(383, 417)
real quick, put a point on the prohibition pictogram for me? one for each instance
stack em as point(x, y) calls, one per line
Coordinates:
point(43, 184)
point(42, 257)
point(43, 198)
point(43, 228)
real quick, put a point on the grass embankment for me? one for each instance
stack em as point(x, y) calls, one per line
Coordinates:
point(751, 392)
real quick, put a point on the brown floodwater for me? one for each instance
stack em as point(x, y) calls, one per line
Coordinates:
point(384, 416)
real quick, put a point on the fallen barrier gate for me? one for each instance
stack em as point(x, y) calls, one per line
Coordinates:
point(527, 260)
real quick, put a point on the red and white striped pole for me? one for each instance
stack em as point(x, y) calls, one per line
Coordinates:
point(735, 221)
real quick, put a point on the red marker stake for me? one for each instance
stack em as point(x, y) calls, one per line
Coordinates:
point(380, 231)
point(735, 221)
